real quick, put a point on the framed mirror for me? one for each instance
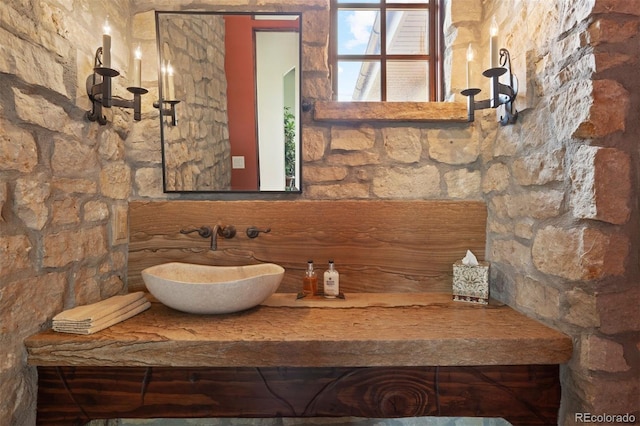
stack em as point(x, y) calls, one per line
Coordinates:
point(229, 87)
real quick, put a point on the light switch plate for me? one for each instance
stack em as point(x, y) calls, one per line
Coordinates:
point(237, 162)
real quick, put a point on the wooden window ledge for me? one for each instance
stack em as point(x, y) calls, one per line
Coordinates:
point(391, 111)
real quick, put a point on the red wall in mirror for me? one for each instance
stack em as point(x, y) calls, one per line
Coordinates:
point(241, 92)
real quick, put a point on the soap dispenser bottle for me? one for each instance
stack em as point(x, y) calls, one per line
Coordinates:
point(310, 280)
point(331, 282)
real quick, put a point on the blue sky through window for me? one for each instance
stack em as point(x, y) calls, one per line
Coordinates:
point(358, 34)
point(354, 33)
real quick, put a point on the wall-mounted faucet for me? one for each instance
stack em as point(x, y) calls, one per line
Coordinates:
point(206, 232)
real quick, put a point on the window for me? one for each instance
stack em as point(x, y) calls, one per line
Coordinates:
point(385, 50)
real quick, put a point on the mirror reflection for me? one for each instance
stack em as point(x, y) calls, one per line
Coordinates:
point(237, 79)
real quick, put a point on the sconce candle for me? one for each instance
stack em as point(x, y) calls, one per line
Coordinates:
point(171, 95)
point(469, 60)
point(137, 68)
point(493, 43)
point(163, 84)
point(167, 103)
point(106, 44)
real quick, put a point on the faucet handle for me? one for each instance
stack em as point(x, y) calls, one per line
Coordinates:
point(253, 232)
point(203, 231)
point(227, 231)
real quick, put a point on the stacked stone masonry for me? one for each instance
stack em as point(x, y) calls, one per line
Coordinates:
point(568, 182)
point(61, 178)
point(561, 184)
point(197, 151)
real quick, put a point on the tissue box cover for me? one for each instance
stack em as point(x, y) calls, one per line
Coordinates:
point(471, 283)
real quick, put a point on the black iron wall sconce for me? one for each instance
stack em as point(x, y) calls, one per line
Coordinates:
point(99, 91)
point(168, 110)
point(99, 84)
point(502, 94)
point(167, 106)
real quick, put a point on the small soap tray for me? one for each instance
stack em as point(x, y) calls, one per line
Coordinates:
point(319, 296)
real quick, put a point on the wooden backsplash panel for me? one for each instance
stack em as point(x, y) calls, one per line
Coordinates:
point(378, 246)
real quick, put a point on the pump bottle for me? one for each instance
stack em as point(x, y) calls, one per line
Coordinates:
point(310, 280)
point(331, 282)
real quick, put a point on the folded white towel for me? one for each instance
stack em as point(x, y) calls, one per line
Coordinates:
point(98, 310)
point(89, 319)
point(102, 324)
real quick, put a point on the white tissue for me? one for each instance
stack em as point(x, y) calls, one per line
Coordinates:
point(470, 259)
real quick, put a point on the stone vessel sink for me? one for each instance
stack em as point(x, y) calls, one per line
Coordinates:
point(205, 289)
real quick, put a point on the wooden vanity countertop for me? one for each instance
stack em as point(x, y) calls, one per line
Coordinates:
point(435, 331)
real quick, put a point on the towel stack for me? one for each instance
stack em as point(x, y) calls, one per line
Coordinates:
point(89, 319)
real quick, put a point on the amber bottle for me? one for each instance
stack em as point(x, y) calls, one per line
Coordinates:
point(310, 280)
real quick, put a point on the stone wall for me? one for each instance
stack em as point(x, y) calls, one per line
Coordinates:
point(563, 213)
point(197, 150)
point(364, 160)
point(62, 179)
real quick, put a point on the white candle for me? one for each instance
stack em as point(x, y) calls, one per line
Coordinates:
point(469, 61)
point(106, 44)
point(164, 80)
point(171, 93)
point(137, 68)
point(493, 43)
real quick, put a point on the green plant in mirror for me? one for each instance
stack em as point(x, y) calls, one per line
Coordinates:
point(289, 146)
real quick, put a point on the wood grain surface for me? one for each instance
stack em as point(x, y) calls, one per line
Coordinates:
point(445, 333)
point(391, 111)
point(377, 246)
point(523, 395)
point(390, 358)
